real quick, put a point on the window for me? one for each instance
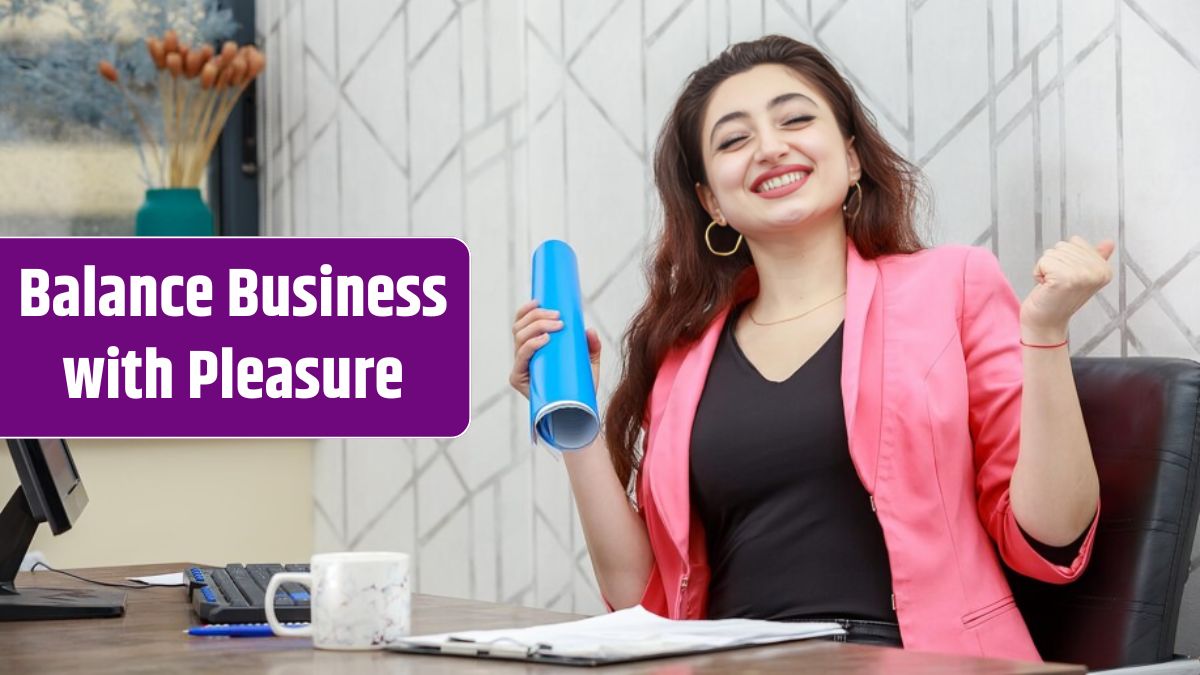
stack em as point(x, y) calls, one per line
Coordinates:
point(70, 158)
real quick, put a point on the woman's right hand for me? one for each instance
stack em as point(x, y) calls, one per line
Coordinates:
point(531, 331)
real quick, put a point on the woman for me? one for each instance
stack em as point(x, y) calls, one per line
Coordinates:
point(835, 423)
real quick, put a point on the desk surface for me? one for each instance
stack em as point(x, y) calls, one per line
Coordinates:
point(149, 639)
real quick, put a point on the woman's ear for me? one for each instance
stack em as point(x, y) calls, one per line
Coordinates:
point(852, 161)
point(709, 202)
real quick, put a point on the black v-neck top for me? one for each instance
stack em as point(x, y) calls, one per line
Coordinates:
point(789, 526)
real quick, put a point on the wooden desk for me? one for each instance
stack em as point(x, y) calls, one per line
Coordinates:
point(149, 639)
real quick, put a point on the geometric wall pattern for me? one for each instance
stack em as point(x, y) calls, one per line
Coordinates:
point(508, 122)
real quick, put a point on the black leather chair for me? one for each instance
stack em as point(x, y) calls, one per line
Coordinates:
point(1143, 419)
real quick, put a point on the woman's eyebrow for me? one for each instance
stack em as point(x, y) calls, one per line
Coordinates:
point(741, 114)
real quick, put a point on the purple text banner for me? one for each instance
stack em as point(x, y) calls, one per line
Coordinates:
point(234, 337)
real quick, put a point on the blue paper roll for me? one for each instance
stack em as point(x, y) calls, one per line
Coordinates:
point(562, 395)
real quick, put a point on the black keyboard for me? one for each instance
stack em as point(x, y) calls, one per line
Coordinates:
point(234, 593)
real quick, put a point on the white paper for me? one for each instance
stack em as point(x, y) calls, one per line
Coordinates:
point(628, 633)
point(173, 579)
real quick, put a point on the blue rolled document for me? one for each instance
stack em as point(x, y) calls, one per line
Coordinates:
point(562, 396)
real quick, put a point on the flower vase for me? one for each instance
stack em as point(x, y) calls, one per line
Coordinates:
point(174, 212)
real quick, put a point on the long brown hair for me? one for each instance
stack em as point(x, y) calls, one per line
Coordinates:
point(688, 285)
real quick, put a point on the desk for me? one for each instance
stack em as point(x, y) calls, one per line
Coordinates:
point(149, 639)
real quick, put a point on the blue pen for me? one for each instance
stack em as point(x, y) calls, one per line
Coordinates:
point(236, 630)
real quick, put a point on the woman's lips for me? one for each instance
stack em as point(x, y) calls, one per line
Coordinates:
point(785, 190)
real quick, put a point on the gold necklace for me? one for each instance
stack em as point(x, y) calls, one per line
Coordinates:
point(798, 316)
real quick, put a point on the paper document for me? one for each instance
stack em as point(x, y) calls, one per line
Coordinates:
point(172, 579)
point(629, 633)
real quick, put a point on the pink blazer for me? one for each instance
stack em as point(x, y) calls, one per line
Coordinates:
point(931, 385)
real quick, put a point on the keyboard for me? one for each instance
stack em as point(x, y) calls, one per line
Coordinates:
point(234, 593)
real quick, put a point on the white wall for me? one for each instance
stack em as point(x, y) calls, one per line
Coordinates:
point(206, 501)
point(507, 122)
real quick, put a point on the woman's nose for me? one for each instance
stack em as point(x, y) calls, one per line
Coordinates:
point(771, 147)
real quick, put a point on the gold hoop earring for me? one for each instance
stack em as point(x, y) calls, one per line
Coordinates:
point(714, 251)
point(857, 204)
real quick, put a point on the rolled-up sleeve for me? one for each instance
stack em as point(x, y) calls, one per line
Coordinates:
point(991, 345)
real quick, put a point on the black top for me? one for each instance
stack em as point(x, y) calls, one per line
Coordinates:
point(790, 529)
point(789, 526)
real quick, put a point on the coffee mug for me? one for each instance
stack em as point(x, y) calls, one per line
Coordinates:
point(358, 600)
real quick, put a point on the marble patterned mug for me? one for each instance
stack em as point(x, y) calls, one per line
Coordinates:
point(358, 600)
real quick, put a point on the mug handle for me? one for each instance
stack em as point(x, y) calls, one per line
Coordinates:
point(269, 603)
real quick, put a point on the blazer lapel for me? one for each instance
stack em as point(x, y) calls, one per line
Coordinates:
point(862, 349)
point(669, 464)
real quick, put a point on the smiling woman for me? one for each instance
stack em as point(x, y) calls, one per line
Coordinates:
point(793, 110)
point(796, 133)
point(822, 419)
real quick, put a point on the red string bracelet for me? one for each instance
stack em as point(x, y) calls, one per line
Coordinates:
point(1053, 346)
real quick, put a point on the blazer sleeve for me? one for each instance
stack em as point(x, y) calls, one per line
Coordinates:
point(991, 333)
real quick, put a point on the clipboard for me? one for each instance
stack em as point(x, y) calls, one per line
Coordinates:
point(475, 650)
point(633, 634)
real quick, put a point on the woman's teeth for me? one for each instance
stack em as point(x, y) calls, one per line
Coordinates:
point(780, 181)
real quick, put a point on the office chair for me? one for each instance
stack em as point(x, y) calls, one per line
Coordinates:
point(1143, 420)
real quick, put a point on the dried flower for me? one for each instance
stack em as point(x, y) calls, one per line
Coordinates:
point(198, 91)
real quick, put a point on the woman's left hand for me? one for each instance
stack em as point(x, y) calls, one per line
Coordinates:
point(1067, 276)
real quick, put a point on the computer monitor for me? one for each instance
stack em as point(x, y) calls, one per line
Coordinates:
point(52, 492)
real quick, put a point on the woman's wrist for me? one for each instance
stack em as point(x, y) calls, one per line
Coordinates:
point(1043, 336)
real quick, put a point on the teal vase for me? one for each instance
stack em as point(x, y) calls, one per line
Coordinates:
point(174, 212)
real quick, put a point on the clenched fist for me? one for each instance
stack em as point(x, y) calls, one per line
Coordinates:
point(1067, 276)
